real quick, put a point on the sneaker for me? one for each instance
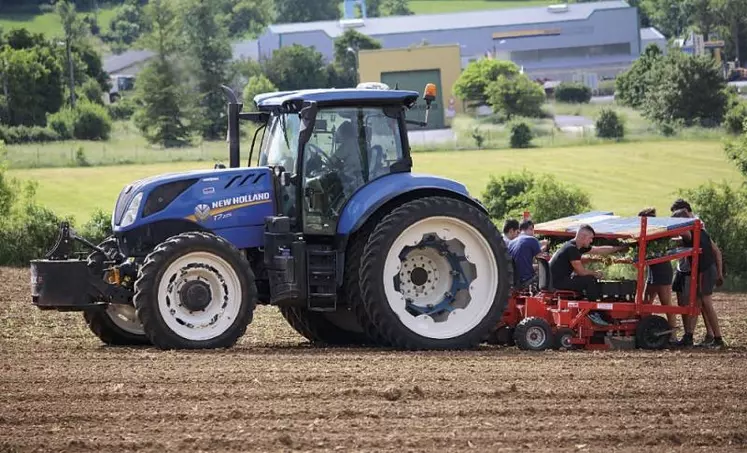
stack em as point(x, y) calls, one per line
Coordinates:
point(596, 318)
point(716, 344)
point(685, 342)
point(707, 341)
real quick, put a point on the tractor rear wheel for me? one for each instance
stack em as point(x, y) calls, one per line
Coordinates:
point(195, 291)
point(338, 328)
point(115, 324)
point(435, 274)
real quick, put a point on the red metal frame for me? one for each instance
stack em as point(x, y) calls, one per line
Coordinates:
point(567, 309)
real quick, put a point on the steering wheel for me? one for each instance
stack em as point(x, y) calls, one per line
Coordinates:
point(316, 152)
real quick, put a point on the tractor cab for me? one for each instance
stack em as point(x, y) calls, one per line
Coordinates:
point(324, 145)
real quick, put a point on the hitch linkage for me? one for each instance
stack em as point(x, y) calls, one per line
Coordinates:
point(63, 248)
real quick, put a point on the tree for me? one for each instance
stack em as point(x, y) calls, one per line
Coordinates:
point(516, 95)
point(289, 11)
point(473, 81)
point(687, 89)
point(158, 93)
point(243, 17)
point(733, 15)
point(632, 86)
point(208, 53)
point(74, 29)
point(296, 67)
point(31, 84)
point(396, 8)
point(671, 17)
point(704, 15)
point(126, 26)
point(347, 46)
point(257, 85)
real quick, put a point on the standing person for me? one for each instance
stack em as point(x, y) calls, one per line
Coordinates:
point(683, 270)
point(570, 274)
point(523, 249)
point(708, 277)
point(659, 281)
point(510, 230)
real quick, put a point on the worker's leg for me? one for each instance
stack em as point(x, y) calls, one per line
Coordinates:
point(683, 300)
point(708, 282)
point(664, 292)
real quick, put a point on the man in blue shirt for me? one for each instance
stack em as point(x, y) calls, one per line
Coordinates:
point(523, 249)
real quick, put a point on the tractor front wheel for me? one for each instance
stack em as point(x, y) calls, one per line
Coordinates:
point(435, 275)
point(195, 291)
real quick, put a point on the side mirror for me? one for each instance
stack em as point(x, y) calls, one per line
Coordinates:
point(308, 118)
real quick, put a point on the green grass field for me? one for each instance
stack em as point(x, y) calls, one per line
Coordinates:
point(620, 177)
point(47, 23)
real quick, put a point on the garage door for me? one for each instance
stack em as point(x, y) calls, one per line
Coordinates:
point(415, 81)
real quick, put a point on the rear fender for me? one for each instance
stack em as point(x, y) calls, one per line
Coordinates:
point(392, 190)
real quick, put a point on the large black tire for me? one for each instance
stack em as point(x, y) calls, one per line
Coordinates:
point(321, 328)
point(652, 332)
point(533, 334)
point(99, 320)
point(388, 322)
point(352, 287)
point(238, 272)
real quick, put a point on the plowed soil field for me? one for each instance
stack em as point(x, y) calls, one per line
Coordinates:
point(61, 390)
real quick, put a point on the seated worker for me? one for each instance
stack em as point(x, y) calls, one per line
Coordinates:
point(510, 230)
point(569, 273)
point(523, 249)
point(708, 278)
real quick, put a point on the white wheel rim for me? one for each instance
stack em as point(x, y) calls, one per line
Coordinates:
point(536, 337)
point(125, 317)
point(225, 291)
point(480, 270)
point(565, 341)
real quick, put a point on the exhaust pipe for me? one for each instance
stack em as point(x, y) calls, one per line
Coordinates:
point(233, 110)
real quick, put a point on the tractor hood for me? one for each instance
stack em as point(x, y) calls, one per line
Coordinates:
point(157, 195)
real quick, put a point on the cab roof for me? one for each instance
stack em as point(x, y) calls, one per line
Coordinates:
point(337, 96)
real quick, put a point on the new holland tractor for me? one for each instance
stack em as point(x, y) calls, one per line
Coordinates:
point(330, 225)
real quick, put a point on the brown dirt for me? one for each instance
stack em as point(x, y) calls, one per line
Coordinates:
point(61, 390)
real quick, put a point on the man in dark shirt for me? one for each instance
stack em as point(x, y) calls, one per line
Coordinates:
point(708, 277)
point(569, 273)
point(523, 249)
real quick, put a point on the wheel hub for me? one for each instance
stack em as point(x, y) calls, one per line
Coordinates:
point(195, 295)
point(419, 276)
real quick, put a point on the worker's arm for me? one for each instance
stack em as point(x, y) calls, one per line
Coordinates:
point(581, 270)
point(719, 264)
point(607, 249)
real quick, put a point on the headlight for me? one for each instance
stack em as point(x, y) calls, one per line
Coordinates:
point(131, 214)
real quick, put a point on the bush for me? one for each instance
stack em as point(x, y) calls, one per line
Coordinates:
point(87, 121)
point(517, 95)
point(543, 196)
point(521, 135)
point(735, 117)
point(573, 92)
point(723, 209)
point(609, 125)
point(257, 84)
point(632, 86)
point(98, 228)
point(91, 90)
point(27, 134)
point(123, 109)
point(606, 88)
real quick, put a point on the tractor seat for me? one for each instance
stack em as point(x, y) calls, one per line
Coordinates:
point(545, 280)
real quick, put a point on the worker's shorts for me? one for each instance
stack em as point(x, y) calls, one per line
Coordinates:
point(706, 283)
point(660, 274)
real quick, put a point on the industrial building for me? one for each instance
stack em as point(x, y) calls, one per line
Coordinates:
point(551, 42)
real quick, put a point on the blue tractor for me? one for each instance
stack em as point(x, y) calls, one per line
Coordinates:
point(330, 225)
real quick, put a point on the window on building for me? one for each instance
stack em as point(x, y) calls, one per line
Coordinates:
point(606, 50)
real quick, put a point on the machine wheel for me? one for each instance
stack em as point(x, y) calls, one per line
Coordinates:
point(325, 328)
point(115, 324)
point(195, 291)
point(435, 275)
point(533, 334)
point(652, 332)
point(563, 339)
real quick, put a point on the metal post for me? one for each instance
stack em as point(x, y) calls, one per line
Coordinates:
point(233, 134)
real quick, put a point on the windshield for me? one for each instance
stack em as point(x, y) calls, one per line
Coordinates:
point(280, 144)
